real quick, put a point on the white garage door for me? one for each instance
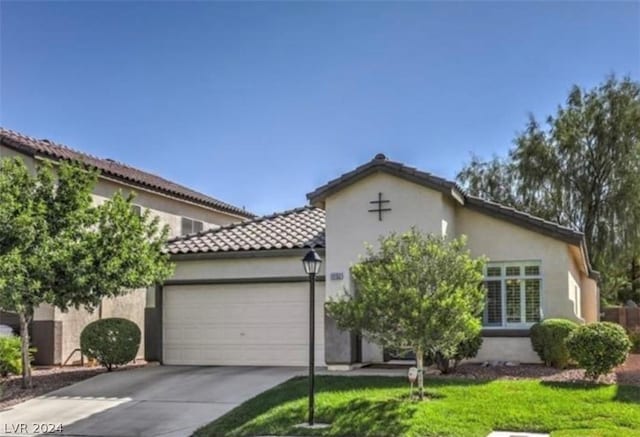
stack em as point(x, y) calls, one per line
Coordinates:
point(241, 324)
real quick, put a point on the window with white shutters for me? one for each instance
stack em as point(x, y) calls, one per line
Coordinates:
point(513, 294)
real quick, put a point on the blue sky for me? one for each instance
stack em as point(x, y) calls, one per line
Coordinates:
point(259, 103)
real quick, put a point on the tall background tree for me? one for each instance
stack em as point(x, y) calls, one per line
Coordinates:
point(58, 248)
point(418, 292)
point(581, 169)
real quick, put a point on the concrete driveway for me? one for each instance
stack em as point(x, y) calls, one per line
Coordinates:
point(152, 401)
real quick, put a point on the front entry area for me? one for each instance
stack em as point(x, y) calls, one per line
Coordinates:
point(264, 324)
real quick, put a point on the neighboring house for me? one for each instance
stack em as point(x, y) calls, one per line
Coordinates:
point(55, 333)
point(239, 295)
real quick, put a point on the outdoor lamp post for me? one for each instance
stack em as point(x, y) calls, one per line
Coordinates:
point(311, 263)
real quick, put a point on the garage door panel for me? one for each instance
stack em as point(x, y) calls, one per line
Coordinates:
point(241, 335)
point(258, 293)
point(233, 355)
point(228, 313)
point(240, 324)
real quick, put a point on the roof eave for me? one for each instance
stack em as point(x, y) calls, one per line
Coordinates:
point(537, 225)
point(260, 253)
point(522, 219)
point(318, 196)
point(17, 146)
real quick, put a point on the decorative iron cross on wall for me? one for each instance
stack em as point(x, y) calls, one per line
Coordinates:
point(380, 209)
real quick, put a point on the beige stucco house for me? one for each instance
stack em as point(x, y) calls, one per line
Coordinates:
point(55, 333)
point(239, 295)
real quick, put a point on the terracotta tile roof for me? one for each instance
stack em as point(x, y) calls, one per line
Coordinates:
point(116, 170)
point(294, 229)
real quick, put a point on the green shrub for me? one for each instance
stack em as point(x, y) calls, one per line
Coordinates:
point(11, 355)
point(447, 363)
point(634, 337)
point(548, 340)
point(111, 342)
point(599, 347)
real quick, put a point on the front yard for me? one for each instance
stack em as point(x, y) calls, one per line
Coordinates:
point(378, 406)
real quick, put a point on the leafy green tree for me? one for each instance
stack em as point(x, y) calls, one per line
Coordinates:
point(58, 248)
point(416, 292)
point(582, 171)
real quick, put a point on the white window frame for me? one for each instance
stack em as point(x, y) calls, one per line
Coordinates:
point(503, 292)
point(137, 209)
point(182, 219)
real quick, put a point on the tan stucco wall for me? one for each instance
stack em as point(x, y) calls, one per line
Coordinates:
point(590, 300)
point(350, 225)
point(129, 306)
point(5, 152)
point(502, 241)
point(168, 209)
point(225, 268)
point(43, 312)
point(73, 322)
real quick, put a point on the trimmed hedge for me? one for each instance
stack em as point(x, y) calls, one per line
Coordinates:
point(599, 347)
point(448, 363)
point(111, 342)
point(548, 340)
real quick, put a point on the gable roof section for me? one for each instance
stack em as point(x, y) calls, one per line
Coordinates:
point(116, 170)
point(449, 188)
point(294, 229)
point(381, 163)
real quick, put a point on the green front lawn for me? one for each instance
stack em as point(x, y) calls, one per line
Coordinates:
point(367, 406)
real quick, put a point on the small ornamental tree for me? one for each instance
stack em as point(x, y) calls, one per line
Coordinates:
point(417, 292)
point(57, 247)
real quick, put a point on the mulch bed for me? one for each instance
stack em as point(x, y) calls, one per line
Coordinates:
point(46, 379)
point(627, 374)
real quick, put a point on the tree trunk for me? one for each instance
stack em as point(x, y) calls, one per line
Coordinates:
point(420, 366)
point(26, 362)
point(634, 278)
